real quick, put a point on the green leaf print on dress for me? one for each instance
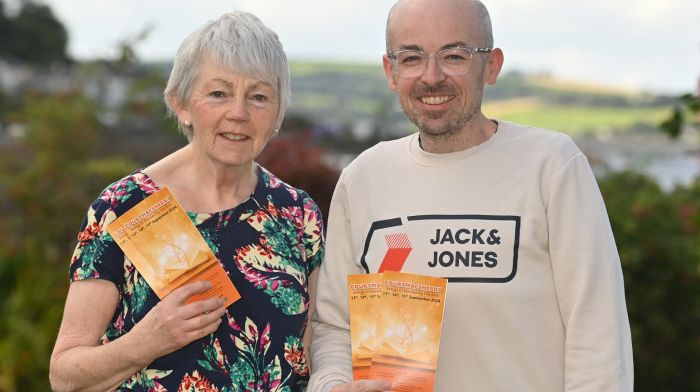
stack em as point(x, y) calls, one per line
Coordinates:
point(146, 378)
point(253, 370)
point(272, 265)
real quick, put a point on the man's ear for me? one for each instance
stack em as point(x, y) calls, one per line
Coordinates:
point(493, 66)
point(389, 72)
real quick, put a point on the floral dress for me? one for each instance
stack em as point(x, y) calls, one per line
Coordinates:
point(268, 245)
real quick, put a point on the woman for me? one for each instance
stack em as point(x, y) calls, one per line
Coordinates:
point(228, 90)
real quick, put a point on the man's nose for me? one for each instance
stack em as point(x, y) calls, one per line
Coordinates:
point(433, 72)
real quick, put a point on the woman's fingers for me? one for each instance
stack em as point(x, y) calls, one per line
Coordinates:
point(202, 325)
point(181, 294)
point(196, 308)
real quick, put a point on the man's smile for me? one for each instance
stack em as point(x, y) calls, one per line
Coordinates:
point(436, 100)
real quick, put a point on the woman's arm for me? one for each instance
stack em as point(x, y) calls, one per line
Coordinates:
point(80, 362)
point(313, 278)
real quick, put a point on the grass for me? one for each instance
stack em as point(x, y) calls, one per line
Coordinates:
point(573, 120)
point(306, 68)
point(316, 101)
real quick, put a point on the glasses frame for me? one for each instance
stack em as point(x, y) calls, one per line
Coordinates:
point(394, 54)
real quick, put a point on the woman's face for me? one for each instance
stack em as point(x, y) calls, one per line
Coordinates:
point(232, 115)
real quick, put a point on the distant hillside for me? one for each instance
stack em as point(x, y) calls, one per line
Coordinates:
point(355, 97)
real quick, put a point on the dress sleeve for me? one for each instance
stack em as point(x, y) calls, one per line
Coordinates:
point(96, 255)
point(313, 234)
point(589, 283)
point(330, 344)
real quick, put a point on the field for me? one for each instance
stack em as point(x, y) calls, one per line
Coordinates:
point(574, 119)
point(341, 94)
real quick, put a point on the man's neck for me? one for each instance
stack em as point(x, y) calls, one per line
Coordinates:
point(477, 132)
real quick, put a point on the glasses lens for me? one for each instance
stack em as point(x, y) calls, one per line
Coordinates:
point(455, 61)
point(410, 63)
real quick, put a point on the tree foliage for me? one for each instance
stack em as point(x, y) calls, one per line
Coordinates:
point(49, 178)
point(688, 106)
point(34, 35)
point(297, 160)
point(658, 237)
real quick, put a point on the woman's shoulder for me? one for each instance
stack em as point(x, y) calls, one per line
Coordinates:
point(282, 192)
point(124, 193)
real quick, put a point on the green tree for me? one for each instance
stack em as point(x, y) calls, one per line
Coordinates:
point(686, 112)
point(658, 237)
point(48, 180)
point(34, 35)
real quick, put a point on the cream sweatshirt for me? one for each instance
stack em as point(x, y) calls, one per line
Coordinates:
point(535, 299)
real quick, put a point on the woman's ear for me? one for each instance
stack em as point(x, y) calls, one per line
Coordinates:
point(182, 113)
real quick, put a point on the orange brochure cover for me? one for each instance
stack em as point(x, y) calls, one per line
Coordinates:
point(364, 296)
point(164, 245)
point(408, 332)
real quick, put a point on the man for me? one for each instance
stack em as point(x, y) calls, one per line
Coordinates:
point(511, 215)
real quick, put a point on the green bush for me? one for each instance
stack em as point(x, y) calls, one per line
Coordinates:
point(658, 237)
point(49, 178)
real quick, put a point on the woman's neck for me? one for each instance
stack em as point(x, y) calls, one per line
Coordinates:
point(202, 185)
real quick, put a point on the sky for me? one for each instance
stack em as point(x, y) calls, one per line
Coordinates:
point(648, 45)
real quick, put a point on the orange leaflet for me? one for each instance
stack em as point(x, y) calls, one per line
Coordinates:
point(163, 244)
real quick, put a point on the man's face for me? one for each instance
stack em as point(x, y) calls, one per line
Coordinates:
point(439, 104)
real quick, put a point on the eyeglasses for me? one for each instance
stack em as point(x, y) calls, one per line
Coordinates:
point(452, 61)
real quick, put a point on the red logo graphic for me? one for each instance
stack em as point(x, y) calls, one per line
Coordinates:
point(396, 255)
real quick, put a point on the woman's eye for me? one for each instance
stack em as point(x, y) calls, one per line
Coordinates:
point(217, 94)
point(260, 98)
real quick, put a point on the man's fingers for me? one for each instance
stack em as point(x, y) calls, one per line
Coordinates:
point(373, 385)
point(364, 386)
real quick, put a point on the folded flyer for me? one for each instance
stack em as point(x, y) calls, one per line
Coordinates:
point(406, 321)
point(364, 294)
point(164, 245)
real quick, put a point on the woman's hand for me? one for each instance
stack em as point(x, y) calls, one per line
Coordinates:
point(363, 386)
point(79, 362)
point(173, 323)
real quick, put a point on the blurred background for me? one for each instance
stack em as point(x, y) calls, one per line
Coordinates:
point(81, 105)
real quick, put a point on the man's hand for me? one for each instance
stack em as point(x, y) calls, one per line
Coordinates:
point(363, 386)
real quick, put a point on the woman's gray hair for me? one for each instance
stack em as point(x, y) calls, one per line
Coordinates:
point(238, 41)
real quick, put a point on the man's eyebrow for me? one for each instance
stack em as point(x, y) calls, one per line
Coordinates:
point(446, 46)
point(457, 44)
point(409, 47)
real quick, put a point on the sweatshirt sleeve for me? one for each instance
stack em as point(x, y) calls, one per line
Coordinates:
point(330, 345)
point(589, 283)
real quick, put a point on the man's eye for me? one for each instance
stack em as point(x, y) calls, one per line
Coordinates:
point(410, 59)
point(454, 57)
